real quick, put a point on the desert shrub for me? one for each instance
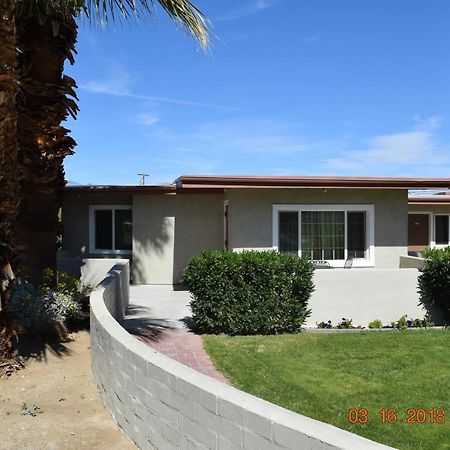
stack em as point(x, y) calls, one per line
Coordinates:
point(401, 324)
point(250, 292)
point(345, 324)
point(434, 281)
point(325, 325)
point(27, 307)
point(65, 285)
point(44, 309)
point(376, 324)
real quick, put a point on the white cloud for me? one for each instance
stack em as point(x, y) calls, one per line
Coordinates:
point(397, 151)
point(119, 83)
point(428, 124)
point(147, 119)
point(239, 136)
point(248, 9)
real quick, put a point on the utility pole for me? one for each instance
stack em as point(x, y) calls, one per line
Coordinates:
point(142, 180)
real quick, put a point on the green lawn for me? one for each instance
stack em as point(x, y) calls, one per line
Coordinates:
point(324, 375)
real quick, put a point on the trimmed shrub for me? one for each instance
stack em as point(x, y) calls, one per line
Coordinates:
point(376, 324)
point(250, 292)
point(434, 281)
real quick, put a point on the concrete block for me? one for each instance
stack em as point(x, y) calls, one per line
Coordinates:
point(230, 411)
point(291, 439)
point(202, 397)
point(253, 441)
point(201, 434)
point(171, 434)
point(161, 375)
point(160, 409)
point(230, 431)
point(223, 444)
point(258, 424)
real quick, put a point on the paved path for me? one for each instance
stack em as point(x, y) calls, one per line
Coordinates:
point(158, 315)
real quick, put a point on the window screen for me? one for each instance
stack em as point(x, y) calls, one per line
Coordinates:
point(288, 232)
point(123, 229)
point(442, 229)
point(103, 229)
point(356, 234)
point(323, 234)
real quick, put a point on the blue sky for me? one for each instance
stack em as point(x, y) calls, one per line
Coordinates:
point(305, 87)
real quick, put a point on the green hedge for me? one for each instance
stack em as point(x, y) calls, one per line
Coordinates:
point(434, 281)
point(250, 292)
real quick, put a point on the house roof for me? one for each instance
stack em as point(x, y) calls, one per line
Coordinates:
point(242, 182)
point(215, 184)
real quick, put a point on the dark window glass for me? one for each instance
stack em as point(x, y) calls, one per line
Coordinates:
point(103, 229)
point(123, 229)
point(323, 234)
point(441, 229)
point(288, 232)
point(356, 234)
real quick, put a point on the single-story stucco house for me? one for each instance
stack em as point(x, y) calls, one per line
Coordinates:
point(325, 218)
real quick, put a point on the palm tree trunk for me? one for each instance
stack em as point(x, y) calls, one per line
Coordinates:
point(42, 101)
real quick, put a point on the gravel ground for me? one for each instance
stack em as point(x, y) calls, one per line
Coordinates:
point(69, 413)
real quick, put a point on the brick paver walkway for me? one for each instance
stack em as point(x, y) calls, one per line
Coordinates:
point(184, 346)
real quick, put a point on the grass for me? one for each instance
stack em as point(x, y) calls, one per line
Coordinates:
point(324, 375)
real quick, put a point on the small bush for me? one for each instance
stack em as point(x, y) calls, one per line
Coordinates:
point(250, 292)
point(327, 325)
point(434, 281)
point(376, 324)
point(345, 324)
point(401, 324)
point(44, 309)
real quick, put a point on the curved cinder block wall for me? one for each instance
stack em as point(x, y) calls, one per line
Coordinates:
point(160, 403)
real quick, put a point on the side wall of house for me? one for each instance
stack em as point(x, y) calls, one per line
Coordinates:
point(169, 229)
point(250, 216)
point(75, 217)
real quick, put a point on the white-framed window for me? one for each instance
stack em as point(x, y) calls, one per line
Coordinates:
point(441, 230)
point(330, 233)
point(110, 229)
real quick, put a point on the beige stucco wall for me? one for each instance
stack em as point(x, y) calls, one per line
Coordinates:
point(169, 229)
point(250, 213)
point(75, 217)
point(433, 208)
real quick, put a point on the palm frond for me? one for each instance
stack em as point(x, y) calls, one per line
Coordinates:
point(104, 11)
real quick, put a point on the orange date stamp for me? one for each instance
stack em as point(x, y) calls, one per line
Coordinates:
point(412, 416)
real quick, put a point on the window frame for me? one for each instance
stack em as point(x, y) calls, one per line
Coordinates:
point(433, 243)
point(113, 208)
point(368, 261)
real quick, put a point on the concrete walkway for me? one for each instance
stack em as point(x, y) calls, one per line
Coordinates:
point(159, 316)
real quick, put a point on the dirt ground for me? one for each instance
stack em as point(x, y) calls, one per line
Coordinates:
point(71, 414)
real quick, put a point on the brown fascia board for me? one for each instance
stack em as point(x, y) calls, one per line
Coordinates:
point(160, 189)
point(245, 182)
point(439, 199)
point(168, 189)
